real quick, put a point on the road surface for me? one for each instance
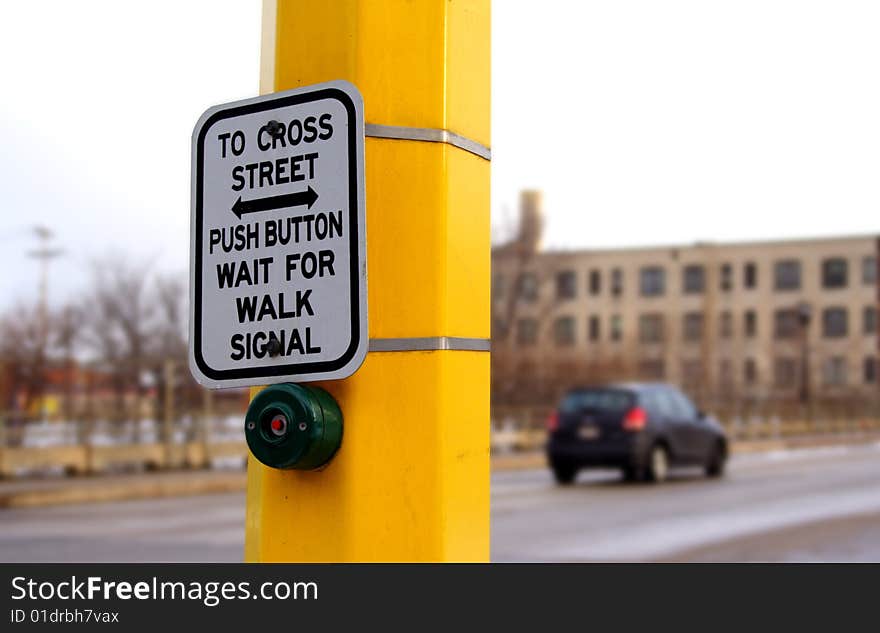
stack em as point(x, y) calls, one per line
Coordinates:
point(805, 505)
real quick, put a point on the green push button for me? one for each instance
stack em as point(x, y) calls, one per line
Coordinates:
point(293, 426)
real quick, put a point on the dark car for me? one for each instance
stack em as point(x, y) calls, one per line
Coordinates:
point(642, 429)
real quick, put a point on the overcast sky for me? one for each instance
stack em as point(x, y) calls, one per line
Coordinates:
point(644, 122)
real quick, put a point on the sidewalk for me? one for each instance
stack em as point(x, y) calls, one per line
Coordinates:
point(21, 493)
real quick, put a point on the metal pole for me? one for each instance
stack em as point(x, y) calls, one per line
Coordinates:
point(411, 479)
point(168, 386)
point(44, 253)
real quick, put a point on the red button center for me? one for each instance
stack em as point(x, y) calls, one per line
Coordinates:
point(277, 424)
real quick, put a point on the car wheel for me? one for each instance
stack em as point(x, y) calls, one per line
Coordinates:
point(717, 461)
point(658, 464)
point(564, 475)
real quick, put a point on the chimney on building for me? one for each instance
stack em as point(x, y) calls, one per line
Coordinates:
point(531, 220)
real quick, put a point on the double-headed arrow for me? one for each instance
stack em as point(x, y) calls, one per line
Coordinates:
point(241, 207)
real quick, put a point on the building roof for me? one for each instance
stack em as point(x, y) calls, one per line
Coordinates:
point(502, 249)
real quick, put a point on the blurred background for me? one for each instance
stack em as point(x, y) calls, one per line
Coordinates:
point(683, 193)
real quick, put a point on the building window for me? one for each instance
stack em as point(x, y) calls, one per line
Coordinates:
point(692, 326)
point(869, 270)
point(563, 331)
point(652, 281)
point(526, 331)
point(726, 325)
point(651, 328)
point(834, 371)
point(566, 284)
point(527, 287)
point(870, 370)
point(787, 274)
point(786, 323)
point(595, 282)
point(751, 323)
point(498, 287)
point(593, 328)
point(784, 372)
point(617, 282)
point(616, 327)
point(869, 319)
point(750, 275)
point(834, 322)
point(653, 369)
point(750, 371)
point(694, 279)
point(834, 273)
point(726, 277)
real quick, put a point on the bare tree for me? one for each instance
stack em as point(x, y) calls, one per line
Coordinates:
point(170, 373)
point(22, 348)
point(170, 299)
point(129, 329)
point(525, 297)
point(64, 336)
point(521, 294)
point(118, 328)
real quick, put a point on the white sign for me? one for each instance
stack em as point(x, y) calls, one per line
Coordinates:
point(278, 271)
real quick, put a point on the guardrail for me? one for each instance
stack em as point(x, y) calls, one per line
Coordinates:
point(90, 459)
point(511, 438)
point(79, 448)
point(95, 458)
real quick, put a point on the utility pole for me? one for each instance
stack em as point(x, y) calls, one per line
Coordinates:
point(45, 253)
point(411, 479)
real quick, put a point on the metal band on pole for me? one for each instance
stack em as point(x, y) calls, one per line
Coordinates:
point(430, 135)
point(429, 344)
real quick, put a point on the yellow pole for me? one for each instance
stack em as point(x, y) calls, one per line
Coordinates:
point(411, 480)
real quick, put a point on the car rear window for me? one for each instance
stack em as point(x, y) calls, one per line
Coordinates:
point(606, 400)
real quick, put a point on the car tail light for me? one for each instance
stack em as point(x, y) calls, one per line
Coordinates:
point(635, 419)
point(553, 421)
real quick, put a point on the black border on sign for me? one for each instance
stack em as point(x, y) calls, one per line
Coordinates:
point(293, 369)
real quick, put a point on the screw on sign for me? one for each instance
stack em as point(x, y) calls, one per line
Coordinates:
point(278, 244)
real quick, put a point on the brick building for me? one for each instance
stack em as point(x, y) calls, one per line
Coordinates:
point(732, 323)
